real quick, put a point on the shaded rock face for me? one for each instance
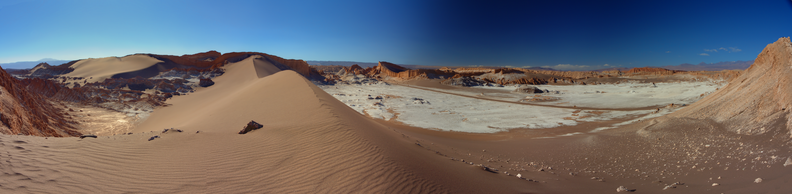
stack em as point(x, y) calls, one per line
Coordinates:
point(29, 113)
point(756, 102)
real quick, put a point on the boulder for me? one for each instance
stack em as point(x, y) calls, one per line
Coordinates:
point(252, 125)
point(624, 189)
point(87, 135)
point(529, 90)
point(206, 82)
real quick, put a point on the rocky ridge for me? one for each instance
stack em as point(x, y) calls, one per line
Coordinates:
point(466, 76)
point(23, 112)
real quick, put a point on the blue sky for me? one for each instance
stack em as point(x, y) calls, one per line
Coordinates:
point(573, 35)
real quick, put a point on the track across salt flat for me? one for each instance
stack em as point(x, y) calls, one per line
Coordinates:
point(535, 104)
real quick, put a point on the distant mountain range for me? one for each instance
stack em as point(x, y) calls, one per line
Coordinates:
point(725, 65)
point(343, 63)
point(367, 64)
point(31, 64)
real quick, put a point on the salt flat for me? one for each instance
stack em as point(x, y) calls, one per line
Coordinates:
point(501, 110)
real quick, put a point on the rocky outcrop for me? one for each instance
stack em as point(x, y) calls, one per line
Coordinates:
point(463, 81)
point(756, 102)
point(54, 90)
point(528, 90)
point(512, 78)
point(28, 113)
point(46, 70)
point(391, 70)
point(252, 125)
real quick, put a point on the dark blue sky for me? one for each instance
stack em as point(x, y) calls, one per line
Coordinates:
point(570, 35)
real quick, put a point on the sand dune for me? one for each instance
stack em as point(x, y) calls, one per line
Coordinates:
point(96, 70)
point(310, 143)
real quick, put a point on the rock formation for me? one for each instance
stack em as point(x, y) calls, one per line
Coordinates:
point(510, 76)
point(29, 113)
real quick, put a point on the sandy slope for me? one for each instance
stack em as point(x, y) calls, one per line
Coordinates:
point(99, 69)
point(756, 102)
point(310, 143)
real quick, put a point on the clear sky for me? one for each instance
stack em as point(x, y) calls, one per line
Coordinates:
point(561, 34)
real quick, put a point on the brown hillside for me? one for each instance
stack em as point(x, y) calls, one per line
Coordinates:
point(757, 101)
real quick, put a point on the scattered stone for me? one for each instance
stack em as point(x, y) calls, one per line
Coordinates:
point(420, 101)
point(669, 187)
point(758, 180)
point(788, 162)
point(624, 189)
point(252, 125)
point(519, 175)
point(172, 130)
point(488, 169)
point(154, 137)
point(715, 184)
point(87, 135)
